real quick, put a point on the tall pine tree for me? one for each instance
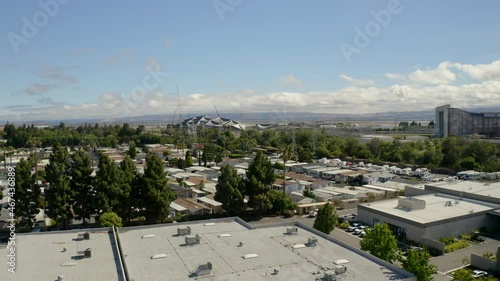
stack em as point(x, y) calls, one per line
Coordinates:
point(27, 195)
point(107, 181)
point(156, 195)
point(260, 178)
point(128, 184)
point(230, 188)
point(58, 196)
point(84, 205)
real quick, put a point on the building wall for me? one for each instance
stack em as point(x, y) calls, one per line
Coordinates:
point(436, 230)
point(457, 122)
point(413, 232)
point(456, 227)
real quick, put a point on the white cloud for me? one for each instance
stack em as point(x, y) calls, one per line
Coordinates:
point(440, 75)
point(292, 79)
point(38, 89)
point(483, 72)
point(358, 97)
point(358, 82)
point(395, 76)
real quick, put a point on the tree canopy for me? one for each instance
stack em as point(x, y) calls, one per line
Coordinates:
point(230, 189)
point(380, 242)
point(326, 219)
point(417, 262)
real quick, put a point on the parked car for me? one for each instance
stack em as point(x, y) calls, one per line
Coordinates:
point(479, 273)
point(313, 214)
point(359, 230)
point(476, 237)
point(351, 228)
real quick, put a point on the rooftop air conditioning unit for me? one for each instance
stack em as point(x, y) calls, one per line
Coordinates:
point(339, 269)
point(292, 230)
point(86, 236)
point(312, 242)
point(192, 239)
point(184, 231)
point(329, 276)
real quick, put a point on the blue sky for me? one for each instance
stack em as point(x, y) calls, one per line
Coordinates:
point(91, 58)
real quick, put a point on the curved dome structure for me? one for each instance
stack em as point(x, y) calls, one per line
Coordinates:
point(217, 122)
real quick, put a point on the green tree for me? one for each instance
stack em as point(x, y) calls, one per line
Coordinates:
point(58, 196)
point(380, 242)
point(110, 219)
point(167, 153)
point(281, 202)
point(108, 184)
point(286, 153)
point(127, 192)
point(188, 160)
point(305, 155)
point(81, 184)
point(27, 196)
point(326, 219)
point(230, 189)
point(157, 195)
point(132, 151)
point(260, 177)
point(462, 274)
point(417, 262)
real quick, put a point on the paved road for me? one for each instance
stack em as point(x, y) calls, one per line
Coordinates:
point(455, 259)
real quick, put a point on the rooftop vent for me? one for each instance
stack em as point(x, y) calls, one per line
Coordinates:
point(276, 271)
point(250, 256)
point(339, 269)
point(87, 253)
point(192, 239)
point(329, 276)
point(158, 256)
point(184, 231)
point(84, 236)
point(60, 278)
point(298, 246)
point(64, 249)
point(292, 230)
point(203, 269)
point(240, 244)
point(148, 236)
point(312, 242)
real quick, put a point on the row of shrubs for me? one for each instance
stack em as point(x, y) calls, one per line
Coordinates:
point(457, 245)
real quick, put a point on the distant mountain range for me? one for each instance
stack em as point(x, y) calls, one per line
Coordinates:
point(264, 117)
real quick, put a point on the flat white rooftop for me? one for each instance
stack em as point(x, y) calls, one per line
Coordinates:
point(436, 208)
point(40, 256)
point(480, 188)
point(263, 251)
